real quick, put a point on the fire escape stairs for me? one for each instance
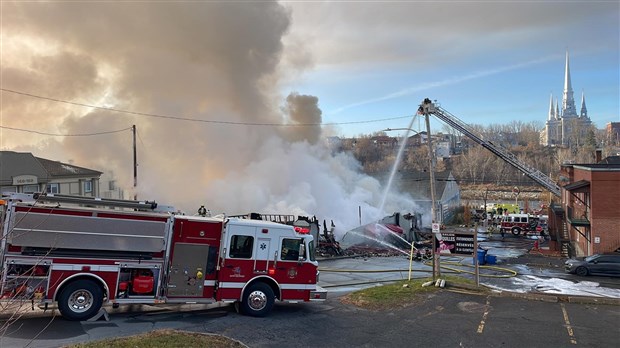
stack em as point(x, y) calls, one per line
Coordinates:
point(565, 246)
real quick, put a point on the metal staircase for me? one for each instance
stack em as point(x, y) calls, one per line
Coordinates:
point(565, 245)
point(429, 108)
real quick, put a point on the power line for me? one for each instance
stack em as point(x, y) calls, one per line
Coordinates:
point(65, 135)
point(178, 118)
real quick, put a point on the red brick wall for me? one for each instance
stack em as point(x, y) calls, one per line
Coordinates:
point(604, 209)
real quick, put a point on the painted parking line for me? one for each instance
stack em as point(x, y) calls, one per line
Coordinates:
point(569, 328)
point(487, 307)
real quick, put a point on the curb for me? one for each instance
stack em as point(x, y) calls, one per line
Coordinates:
point(536, 296)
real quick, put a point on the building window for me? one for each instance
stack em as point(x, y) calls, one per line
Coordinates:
point(88, 186)
point(9, 189)
point(31, 188)
point(53, 188)
point(112, 185)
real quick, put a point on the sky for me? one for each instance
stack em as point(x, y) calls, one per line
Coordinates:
point(210, 84)
point(483, 61)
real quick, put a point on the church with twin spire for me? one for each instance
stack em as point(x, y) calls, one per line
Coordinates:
point(565, 127)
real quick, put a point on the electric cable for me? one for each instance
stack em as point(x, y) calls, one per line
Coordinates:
point(65, 135)
point(188, 119)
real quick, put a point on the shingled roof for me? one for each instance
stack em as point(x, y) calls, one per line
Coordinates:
point(59, 169)
point(25, 163)
point(418, 182)
point(19, 163)
point(610, 160)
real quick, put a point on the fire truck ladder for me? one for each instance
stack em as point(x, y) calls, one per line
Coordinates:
point(429, 108)
point(95, 201)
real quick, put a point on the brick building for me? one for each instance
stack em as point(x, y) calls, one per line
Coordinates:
point(588, 220)
point(612, 133)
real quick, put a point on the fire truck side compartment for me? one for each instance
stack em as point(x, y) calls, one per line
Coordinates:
point(85, 232)
point(189, 262)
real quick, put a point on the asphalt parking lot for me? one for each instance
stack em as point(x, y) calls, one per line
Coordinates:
point(538, 311)
point(446, 319)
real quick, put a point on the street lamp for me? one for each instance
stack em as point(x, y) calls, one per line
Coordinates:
point(396, 129)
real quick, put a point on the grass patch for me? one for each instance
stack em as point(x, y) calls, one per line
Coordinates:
point(164, 339)
point(398, 294)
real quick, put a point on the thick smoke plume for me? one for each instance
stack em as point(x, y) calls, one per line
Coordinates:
point(216, 63)
point(304, 111)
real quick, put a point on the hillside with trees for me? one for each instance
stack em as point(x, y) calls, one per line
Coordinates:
point(471, 164)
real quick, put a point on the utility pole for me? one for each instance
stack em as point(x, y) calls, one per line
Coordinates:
point(431, 169)
point(135, 164)
point(485, 213)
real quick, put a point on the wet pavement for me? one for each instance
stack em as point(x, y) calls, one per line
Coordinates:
point(443, 319)
point(519, 269)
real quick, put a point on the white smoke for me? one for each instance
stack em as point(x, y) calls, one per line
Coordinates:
point(303, 179)
point(206, 61)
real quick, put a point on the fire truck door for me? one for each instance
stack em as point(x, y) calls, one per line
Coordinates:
point(261, 263)
point(187, 270)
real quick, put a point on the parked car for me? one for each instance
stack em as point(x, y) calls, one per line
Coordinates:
point(597, 264)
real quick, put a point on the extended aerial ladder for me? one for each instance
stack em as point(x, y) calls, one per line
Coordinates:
point(429, 108)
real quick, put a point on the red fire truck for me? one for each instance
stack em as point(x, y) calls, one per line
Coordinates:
point(517, 223)
point(82, 253)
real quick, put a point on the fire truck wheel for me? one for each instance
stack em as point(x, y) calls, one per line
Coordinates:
point(516, 231)
point(258, 300)
point(80, 300)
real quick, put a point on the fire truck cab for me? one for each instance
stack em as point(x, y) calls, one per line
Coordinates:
point(81, 253)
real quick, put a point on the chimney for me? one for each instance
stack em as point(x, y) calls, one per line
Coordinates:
point(598, 155)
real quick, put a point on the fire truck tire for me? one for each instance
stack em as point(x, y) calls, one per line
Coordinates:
point(80, 300)
point(258, 300)
point(516, 231)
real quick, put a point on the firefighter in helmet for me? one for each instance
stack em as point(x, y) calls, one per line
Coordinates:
point(202, 211)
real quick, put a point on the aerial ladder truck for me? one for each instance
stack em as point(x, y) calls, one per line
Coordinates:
point(429, 107)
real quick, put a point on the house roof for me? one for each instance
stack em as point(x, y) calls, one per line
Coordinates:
point(418, 183)
point(19, 163)
point(59, 169)
point(574, 186)
point(25, 163)
point(610, 163)
point(610, 160)
point(383, 139)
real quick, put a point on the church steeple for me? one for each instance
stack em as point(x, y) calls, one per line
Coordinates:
point(584, 111)
point(551, 113)
point(557, 110)
point(568, 103)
